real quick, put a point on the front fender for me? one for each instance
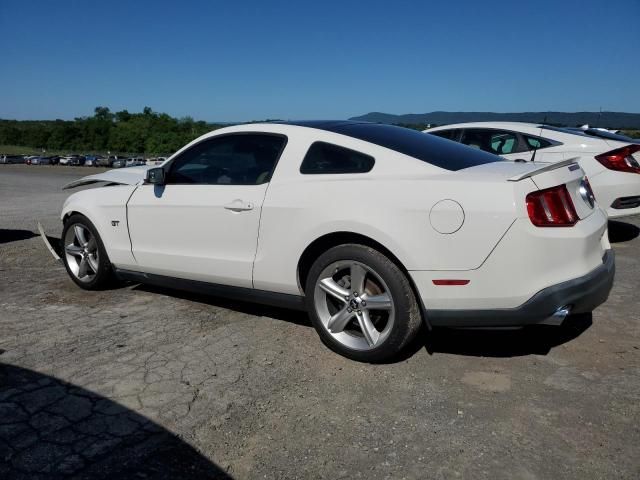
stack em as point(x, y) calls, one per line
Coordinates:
point(106, 208)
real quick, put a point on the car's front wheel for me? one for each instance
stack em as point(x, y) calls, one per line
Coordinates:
point(361, 303)
point(84, 256)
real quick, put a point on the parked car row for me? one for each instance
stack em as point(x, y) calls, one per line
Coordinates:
point(112, 161)
point(12, 159)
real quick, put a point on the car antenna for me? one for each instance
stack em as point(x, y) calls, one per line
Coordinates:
point(533, 157)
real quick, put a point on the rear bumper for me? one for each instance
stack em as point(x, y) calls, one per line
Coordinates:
point(582, 294)
point(615, 192)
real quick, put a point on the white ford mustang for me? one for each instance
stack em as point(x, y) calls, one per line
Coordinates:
point(373, 229)
point(611, 162)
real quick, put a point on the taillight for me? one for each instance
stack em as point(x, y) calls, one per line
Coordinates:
point(586, 192)
point(621, 159)
point(551, 207)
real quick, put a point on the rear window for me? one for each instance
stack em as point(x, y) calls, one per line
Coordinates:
point(579, 133)
point(609, 135)
point(591, 132)
point(428, 148)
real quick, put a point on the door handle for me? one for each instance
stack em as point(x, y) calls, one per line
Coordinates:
point(239, 206)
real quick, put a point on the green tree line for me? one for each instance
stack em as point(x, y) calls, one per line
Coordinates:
point(148, 132)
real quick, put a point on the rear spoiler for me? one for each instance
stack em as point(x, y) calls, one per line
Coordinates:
point(570, 162)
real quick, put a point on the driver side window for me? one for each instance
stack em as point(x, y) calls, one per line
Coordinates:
point(247, 159)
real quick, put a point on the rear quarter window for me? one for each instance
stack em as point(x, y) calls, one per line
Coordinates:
point(536, 143)
point(326, 158)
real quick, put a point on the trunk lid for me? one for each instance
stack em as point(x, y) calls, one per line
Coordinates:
point(568, 173)
point(517, 171)
point(534, 176)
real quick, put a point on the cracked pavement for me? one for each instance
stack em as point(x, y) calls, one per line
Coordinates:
point(151, 383)
point(52, 429)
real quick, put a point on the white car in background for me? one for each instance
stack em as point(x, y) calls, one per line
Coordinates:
point(135, 162)
point(611, 161)
point(372, 229)
point(155, 161)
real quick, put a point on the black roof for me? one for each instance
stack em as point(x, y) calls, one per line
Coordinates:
point(323, 124)
point(428, 148)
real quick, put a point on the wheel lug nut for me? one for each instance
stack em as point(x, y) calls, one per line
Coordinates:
point(364, 304)
point(355, 294)
point(349, 310)
point(347, 297)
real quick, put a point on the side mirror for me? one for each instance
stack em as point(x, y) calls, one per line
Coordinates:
point(155, 176)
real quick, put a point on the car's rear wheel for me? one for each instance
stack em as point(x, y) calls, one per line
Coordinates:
point(361, 303)
point(84, 256)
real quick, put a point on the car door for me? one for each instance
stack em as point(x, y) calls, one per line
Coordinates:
point(202, 224)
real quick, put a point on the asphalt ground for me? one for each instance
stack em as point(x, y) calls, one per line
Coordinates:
point(140, 382)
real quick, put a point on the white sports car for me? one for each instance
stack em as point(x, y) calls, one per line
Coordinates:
point(373, 229)
point(611, 162)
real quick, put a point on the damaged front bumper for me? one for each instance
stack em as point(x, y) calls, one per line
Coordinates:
point(52, 250)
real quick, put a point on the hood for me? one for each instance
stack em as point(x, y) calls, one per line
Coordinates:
point(120, 176)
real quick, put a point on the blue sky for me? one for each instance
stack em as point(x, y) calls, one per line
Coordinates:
point(235, 61)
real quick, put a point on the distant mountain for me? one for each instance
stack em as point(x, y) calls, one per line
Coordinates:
point(595, 119)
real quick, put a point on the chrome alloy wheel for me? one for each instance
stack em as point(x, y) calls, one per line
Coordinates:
point(354, 304)
point(81, 252)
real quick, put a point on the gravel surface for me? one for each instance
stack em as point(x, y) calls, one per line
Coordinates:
point(140, 382)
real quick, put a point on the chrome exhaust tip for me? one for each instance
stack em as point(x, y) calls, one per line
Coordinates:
point(558, 316)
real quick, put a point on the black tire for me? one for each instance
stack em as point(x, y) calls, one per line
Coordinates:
point(104, 277)
point(407, 318)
